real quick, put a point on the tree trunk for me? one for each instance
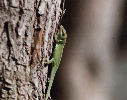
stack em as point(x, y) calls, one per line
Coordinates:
point(26, 40)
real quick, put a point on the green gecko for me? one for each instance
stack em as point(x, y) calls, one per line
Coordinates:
point(60, 42)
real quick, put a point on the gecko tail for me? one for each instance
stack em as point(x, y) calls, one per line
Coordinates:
point(53, 72)
point(49, 89)
point(47, 95)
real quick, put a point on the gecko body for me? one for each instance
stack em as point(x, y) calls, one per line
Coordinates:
point(57, 54)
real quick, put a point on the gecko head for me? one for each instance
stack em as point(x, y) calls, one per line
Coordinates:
point(63, 34)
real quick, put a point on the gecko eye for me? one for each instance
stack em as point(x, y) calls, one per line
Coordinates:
point(63, 34)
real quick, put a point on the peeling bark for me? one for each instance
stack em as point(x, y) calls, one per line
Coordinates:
point(26, 40)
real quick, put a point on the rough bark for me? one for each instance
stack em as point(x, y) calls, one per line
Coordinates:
point(26, 36)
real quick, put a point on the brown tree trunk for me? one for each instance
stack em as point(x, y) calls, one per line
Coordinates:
point(26, 35)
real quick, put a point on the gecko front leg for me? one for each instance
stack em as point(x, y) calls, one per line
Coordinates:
point(50, 61)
